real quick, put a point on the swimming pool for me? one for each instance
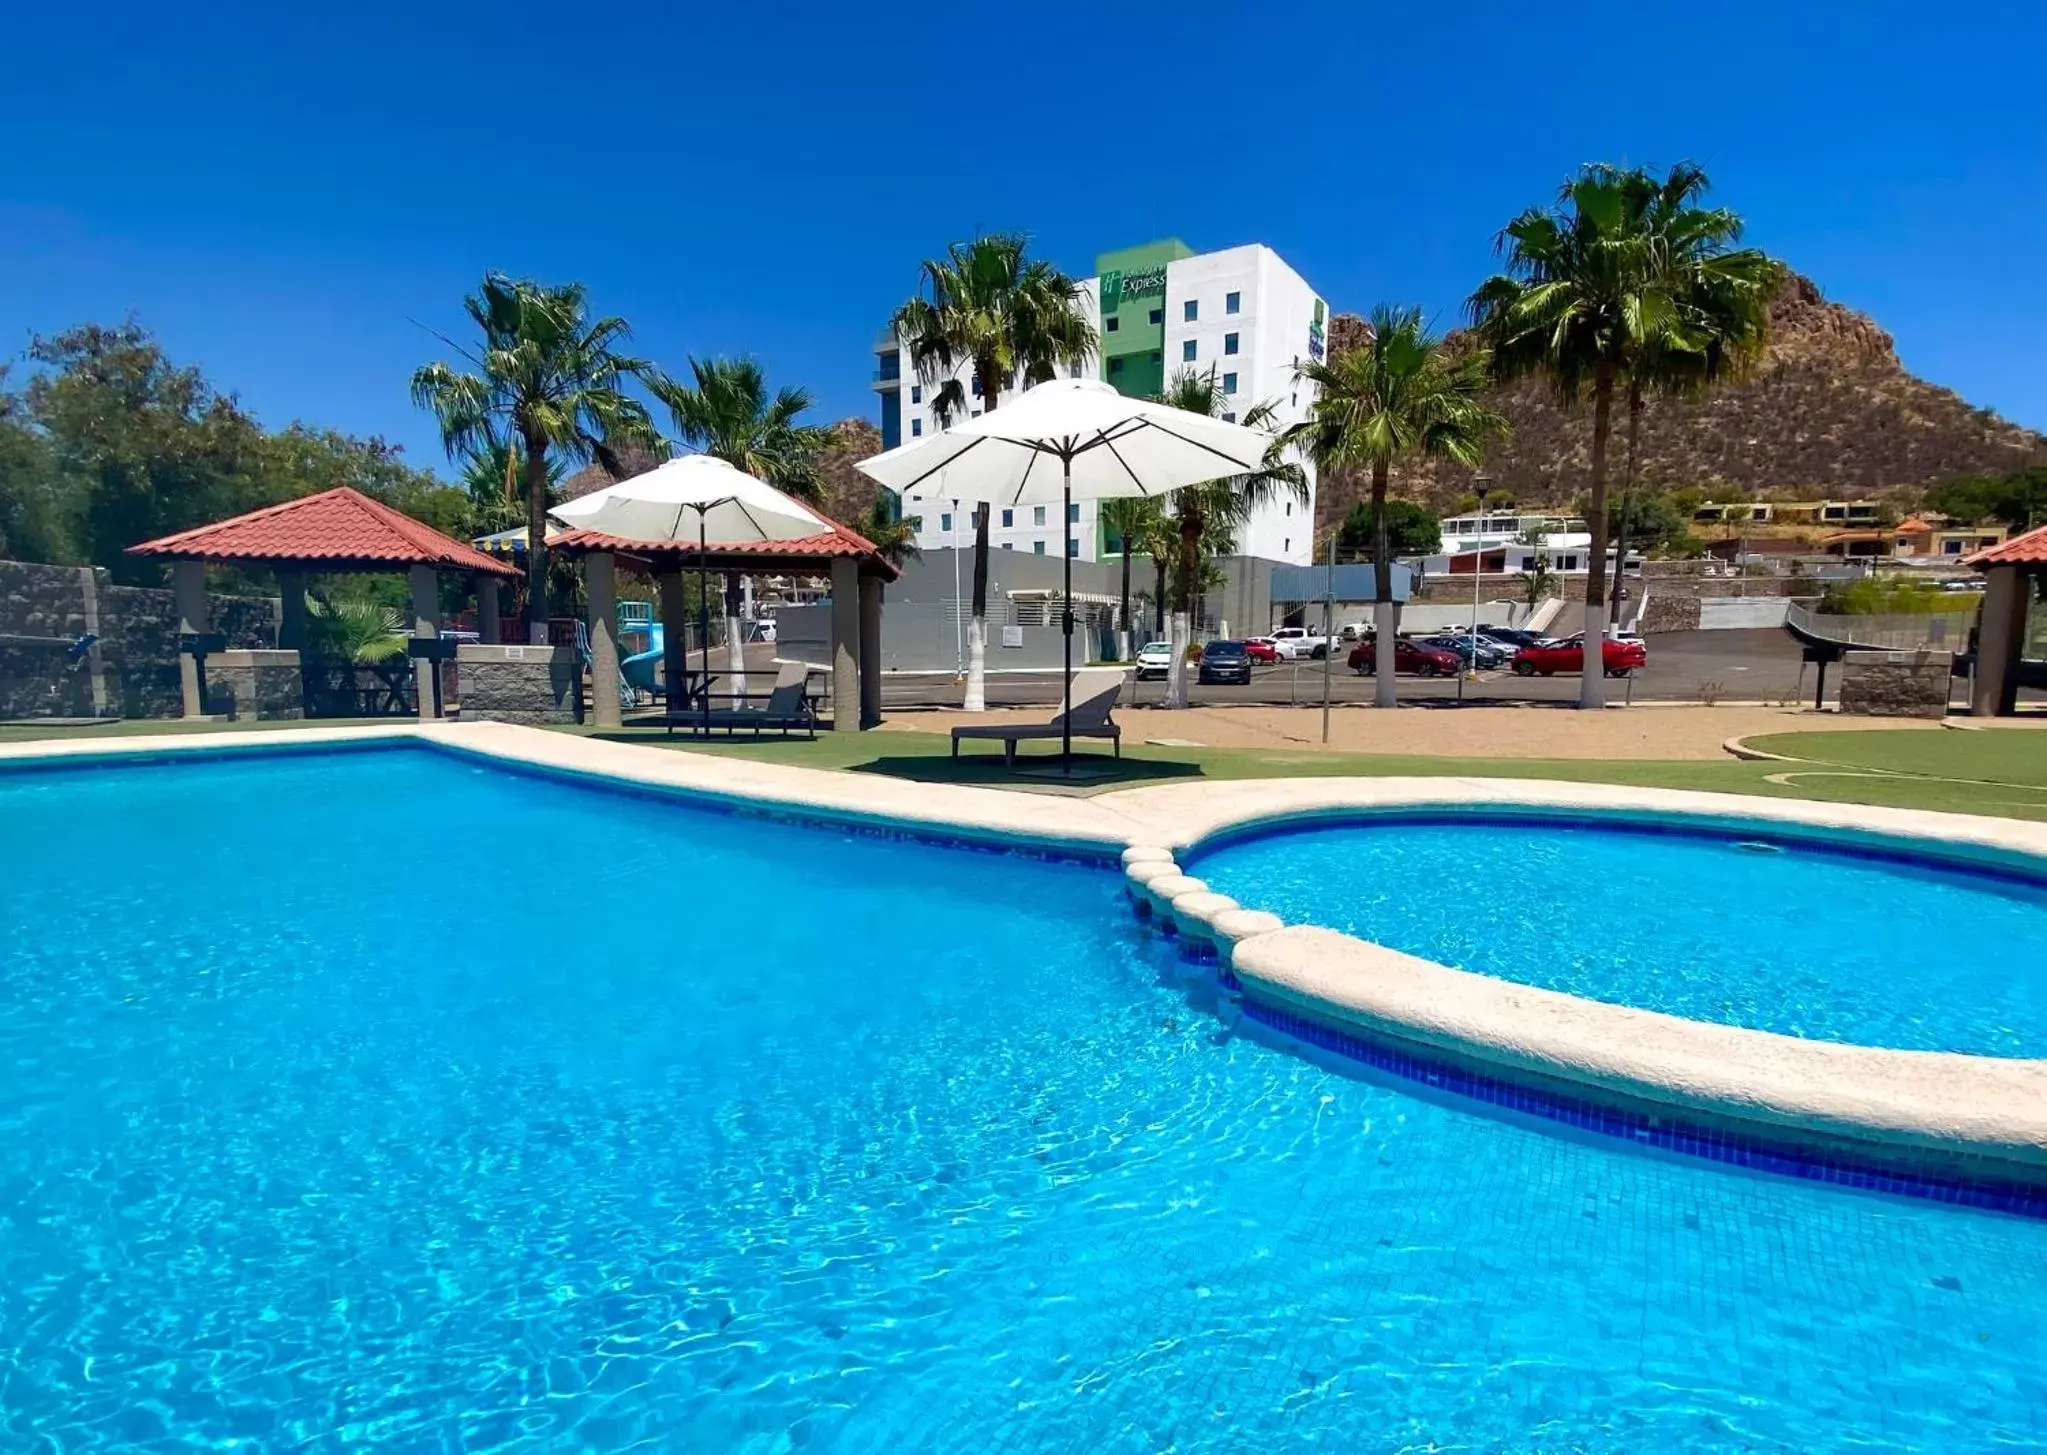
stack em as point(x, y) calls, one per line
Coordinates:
point(1764, 930)
point(384, 1099)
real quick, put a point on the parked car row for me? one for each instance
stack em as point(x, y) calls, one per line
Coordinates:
point(1443, 654)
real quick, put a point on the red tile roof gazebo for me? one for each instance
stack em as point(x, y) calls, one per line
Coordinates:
point(337, 530)
point(2009, 571)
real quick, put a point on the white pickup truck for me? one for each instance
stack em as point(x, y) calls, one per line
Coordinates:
point(1296, 642)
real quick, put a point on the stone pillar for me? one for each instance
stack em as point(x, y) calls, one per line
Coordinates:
point(845, 645)
point(870, 651)
point(426, 626)
point(488, 623)
point(188, 587)
point(600, 586)
point(291, 617)
point(674, 636)
point(1999, 640)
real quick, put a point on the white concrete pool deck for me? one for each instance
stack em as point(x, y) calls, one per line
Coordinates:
point(1990, 1113)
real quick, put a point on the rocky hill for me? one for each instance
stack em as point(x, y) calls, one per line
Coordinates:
point(1830, 412)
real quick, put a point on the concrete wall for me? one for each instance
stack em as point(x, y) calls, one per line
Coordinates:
point(132, 672)
point(263, 685)
point(921, 638)
point(1739, 613)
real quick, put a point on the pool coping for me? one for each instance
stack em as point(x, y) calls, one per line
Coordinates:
point(1951, 1114)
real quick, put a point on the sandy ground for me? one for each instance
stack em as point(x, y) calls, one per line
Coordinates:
point(1675, 731)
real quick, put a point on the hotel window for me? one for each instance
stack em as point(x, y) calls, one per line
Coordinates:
point(1230, 417)
point(945, 522)
point(1009, 545)
point(1037, 548)
point(1073, 548)
point(1229, 383)
point(1190, 310)
point(916, 427)
point(977, 386)
point(1037, 515)
point(1158, 316)
point(1073, 514)
point(1111, 324)
point(1233, 302)
point(1229, 343)
point(1008, 519)
point(916, 393)
point(1287, 544)
point(1290, 507)
point(1115, 366)
point(1187, 352)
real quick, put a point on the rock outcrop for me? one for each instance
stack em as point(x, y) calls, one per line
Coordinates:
point(1829, 412)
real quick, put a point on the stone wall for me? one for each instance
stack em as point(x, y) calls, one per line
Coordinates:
point(132, 671)
point(1669, 614)
point(519, 684)
point(1897, 684)
point(263, 685)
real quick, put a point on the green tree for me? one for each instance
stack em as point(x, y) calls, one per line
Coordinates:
point(727, 412)
point(548, 379)
point(31, 524)
point(1130, 518)
point(1592, 296)
point(1207, 516)
point(1411, 529)
point(1399, 396)
point(2018, 499)
point(892, 533)
point(1013, 320)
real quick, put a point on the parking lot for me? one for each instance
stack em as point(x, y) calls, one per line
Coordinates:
point(1732, 666)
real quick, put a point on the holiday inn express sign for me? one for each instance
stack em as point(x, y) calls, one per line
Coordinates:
point(1118, 285)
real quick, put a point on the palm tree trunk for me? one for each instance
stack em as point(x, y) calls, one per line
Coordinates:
point(1385, 623)
point(1158, 598)
point(735, 649)
point(1620, 531)
point(1128, 644)
point(536, 538)
point(1592, 675)
point(1183, 629)
point(976, 699)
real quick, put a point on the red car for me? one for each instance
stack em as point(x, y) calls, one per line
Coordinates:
point(1259, 649)
point(1549, 658)
point(1407, 657)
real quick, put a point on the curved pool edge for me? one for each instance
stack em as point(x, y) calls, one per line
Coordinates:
point(1946, 1115)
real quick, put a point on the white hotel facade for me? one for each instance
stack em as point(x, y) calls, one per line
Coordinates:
point(1158, 309)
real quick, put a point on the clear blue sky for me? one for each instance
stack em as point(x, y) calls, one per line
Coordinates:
point(280, 190)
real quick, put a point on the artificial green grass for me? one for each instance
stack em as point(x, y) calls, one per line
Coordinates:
point(1955, 772)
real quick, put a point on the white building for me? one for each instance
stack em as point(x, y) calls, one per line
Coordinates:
point(1159, 309)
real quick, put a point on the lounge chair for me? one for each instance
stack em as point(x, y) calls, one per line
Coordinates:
point(787, 709)
point(1094, 694)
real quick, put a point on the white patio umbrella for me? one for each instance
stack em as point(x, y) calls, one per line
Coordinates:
point(693, 497)
point(1068, 440)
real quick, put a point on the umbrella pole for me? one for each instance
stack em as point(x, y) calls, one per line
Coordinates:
point(1066, 616)
point(704, 624)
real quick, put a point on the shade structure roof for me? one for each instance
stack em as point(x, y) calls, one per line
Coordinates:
point(337, 530)
point(806, 555)
point(2029, 549)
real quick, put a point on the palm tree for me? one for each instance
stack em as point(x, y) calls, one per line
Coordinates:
point(1011, 319)
point(728, 414)
point(1403, 395)
point(893, 534)
point(548, 381)
point(1129, 516)
point(1593, 290)
point(494, 478)
point(1216, 509)
point(1160, 535)
point(1725, 295)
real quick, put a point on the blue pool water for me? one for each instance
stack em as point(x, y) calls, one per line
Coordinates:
point(1749, 932)
point(383, 1101)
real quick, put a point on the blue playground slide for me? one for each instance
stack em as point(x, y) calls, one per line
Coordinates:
point(642, 670)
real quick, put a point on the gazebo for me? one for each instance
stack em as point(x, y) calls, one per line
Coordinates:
point(337, 530)
point(857, 571)
point(2009, 573)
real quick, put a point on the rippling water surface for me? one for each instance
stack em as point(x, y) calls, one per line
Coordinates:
point(1747, 932)
point(385, 1101)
